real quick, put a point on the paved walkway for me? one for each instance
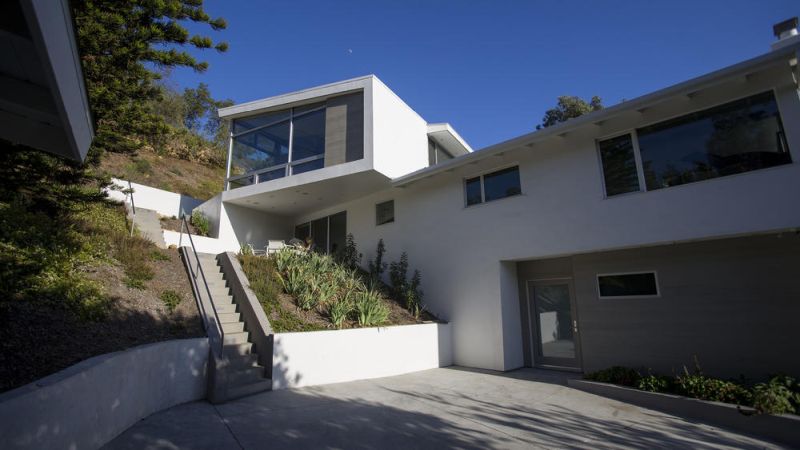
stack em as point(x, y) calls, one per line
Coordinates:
point(149, 226)
point(435, 409)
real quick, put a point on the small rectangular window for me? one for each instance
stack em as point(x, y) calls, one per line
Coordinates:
point(474, 195)
point(619, 165)
point(640, 284)
point(492, 186)
point(384, 212)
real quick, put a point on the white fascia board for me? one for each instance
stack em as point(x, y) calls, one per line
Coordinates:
point(435, 129)
point(50, 25)
point(765, 61)
point(296, 97)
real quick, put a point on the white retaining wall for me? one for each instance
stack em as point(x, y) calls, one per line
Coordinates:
point(323, 357)
point(90, 403)
point(163, 202)
point(201, 243)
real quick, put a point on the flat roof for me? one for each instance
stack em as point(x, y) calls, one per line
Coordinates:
point(694, 85)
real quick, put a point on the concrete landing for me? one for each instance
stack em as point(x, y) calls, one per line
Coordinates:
point(149, 226)
point(434, 409)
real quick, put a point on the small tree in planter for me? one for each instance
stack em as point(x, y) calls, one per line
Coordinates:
point(377, 267)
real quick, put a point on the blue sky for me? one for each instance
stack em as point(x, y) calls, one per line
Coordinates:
point(490, 68)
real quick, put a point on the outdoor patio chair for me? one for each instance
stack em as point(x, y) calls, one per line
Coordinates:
point(274, 246)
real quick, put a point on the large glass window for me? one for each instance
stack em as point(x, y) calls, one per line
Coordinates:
point(265, 147)
point(736, 137)
point(492, 186)
point(328, 234)
point(293, 141)
point(309, 135)
point(619, 165)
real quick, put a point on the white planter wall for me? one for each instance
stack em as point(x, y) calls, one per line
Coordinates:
point(90, 403)
point(163, 202)
point(201, 243)
point(323, 357)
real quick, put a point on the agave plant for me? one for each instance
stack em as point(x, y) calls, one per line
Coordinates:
point(370, 308)
point(338, 312)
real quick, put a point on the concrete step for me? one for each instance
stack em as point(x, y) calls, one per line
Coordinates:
point(228, 317)
point(234, 351)
point(224, 307)
point(244, 361)
point(249, 389)
point(245, 375)
point(233, 327)
point(236, 338)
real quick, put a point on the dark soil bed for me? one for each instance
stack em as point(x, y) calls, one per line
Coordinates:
point(168, 223)
point(38, 339)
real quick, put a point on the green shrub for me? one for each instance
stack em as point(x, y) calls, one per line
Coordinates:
point(200, 222)
point(339, 311)
point(398, 272)
point(142, 166)
point(781, 395)
point(171, 299)
point(377, 267)
point(616, 375)
point(656, 383)
point(413, 295)
point(245, 249)
point(370, 309)
point(134, 253)
point(157, 255)
point(349, 256)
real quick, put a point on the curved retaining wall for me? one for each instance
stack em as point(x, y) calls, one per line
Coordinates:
point(88, 404)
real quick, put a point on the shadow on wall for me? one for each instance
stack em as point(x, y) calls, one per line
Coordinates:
point(93, 400)
point(280, 368)
point(410, 413)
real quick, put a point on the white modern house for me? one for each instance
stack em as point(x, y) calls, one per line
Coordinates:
point(646, 234)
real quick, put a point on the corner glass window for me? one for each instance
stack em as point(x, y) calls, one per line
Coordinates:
point(384, 212)
point(619, 165)
point(643, 284)
point(266, 147)
point(248, 123)
point(737, 137)
point(492, 186)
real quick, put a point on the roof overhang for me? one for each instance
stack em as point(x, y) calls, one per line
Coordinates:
point(295, 98)
point(787, 55)
point(43, 102)
point(311, 191)
point(448, 138)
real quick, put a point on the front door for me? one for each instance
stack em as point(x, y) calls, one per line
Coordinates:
point(553, 324)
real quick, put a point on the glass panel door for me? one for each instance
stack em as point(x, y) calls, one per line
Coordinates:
point(553, 324)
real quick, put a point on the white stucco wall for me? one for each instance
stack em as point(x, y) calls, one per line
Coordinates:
point(232, 225)
point(562, 210)
point(400, 135)
point(324, 357)
point(163, 202)
point(88, 404)
point(202, 244)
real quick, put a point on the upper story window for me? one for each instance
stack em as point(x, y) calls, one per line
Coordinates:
point(736, 137)
point(292, 141)
point(436, 153)
point(384, 212)
point(492, 186)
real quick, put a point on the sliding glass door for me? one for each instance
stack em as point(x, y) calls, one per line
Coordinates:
point(327, 234)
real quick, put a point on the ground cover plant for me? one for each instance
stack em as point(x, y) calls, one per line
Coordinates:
point(779, 395)
point(301, 290)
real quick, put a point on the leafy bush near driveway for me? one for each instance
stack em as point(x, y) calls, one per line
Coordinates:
point(370, 309)
point(779, 395)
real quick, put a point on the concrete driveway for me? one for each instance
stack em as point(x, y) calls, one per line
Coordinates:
point(434, 409)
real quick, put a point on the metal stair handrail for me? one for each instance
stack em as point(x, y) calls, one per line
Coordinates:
point(196, 288)
point(133, 206)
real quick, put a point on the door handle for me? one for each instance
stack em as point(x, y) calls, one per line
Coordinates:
point(574, 326)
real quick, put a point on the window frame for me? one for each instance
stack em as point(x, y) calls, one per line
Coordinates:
point(638, 156)
point(621, 297)
point(377, 224)
point(480, 176)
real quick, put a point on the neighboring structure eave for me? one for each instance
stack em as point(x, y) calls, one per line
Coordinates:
point(445, 135)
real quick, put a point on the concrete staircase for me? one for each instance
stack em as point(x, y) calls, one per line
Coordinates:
point(242, 373)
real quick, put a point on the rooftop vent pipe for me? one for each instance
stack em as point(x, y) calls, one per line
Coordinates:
point(786, 32)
